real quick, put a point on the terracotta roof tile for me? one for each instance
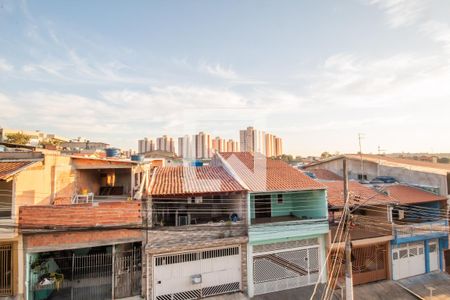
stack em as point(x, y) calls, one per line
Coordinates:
point(9, 168)
point(358, 193)
point(323, 174)
point(268, 174)
point(181, 180)
point(405, 194)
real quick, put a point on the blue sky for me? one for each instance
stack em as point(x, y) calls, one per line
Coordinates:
point(313, 72)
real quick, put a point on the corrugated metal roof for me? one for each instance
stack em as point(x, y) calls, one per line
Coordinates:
point(182, 180)
point(263, 174)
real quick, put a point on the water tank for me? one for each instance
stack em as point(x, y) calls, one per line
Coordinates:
point(112, 152)
point(137, 157)
point(197, 163)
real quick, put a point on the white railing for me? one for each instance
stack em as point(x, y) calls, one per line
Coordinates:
point(410, 230)
point(87, 198)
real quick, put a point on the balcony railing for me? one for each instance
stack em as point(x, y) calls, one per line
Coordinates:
point(91, 198)
point(411, 230)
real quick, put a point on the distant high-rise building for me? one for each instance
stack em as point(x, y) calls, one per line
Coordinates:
point(146, 145)
point(252, 140)
point(185, 147)
point(278, 146)
point(165, 143)
point(218, 144)
point(203, 145)
point(232, 146)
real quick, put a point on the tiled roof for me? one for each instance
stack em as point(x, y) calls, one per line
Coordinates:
point(180, 180)
point(323, 174)
point(405, 194)
point(268, 174)
point(358, 194)
point(9, 168)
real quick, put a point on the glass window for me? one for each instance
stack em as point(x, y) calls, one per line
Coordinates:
point(412, 252)
point(280, 198)
point(395, 256)
point(433, 247)
point(420, 251)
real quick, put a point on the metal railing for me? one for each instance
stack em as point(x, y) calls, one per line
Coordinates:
point(400, 231)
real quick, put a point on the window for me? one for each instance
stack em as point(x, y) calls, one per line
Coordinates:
point(395, 256)
point(280, 198)
point(403, 253)
point(433, 248)
point(362, 177)
point(412, 252)
point(6, 199)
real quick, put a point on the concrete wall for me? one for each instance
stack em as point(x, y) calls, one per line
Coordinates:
point(401, 173)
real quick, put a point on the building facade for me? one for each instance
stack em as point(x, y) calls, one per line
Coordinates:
point(197, 245)
point(146, 145)
point(288, 225)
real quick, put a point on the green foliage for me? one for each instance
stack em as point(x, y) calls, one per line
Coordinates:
point(18, 138)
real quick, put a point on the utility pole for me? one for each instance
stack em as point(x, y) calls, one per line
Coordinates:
point(360, 137)
point(348, 246)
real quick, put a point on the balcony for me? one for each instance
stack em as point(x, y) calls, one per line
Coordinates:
point(418, 231)
point(80, 216)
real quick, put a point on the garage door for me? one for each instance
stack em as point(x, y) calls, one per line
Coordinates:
point(282, 269)
point(193, 275)
point(408, 260)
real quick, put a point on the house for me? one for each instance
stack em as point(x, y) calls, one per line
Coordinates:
point(16, 189)
point(370, 244)
point(428, 175)
point(288, 224)
point(64, 239)
point(197, 244)
point(420, 229)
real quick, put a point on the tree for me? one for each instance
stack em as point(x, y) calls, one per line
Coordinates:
point(325, 155)
point(18, 138)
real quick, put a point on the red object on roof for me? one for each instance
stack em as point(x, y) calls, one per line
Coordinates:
point(323, 174)
point(405, 194)
point(359, 194)
point(263, 174)
point(9, 168)
point(180, 180)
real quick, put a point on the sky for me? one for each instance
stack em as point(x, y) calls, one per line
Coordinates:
point(315, 73)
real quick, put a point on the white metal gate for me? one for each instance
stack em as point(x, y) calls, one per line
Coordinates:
point(434, 255)
point(279, 270)
point(193, 275)
point(408, 260)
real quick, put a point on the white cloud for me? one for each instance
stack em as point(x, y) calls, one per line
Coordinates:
point(402, 13)
point(5, 66)
point(438, 32)
point(218, 70)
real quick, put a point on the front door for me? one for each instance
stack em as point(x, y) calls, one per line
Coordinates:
point(263, 206)
point(434, 255)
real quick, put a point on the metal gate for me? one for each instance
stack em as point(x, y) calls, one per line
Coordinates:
point(408, 260)
point(127, 270)
point(277, 269)
point(6, 270)
point(193, 275)
point(56, 276)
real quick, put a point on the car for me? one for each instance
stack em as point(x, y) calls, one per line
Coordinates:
point(384, 179)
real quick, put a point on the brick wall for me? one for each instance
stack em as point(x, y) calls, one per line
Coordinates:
point(80, 215)
point(80, 239)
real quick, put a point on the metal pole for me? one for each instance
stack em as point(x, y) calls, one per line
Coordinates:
point(348, 247)
point(113, 260)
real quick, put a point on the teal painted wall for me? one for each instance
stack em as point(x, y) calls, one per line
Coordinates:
point(303, 204)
